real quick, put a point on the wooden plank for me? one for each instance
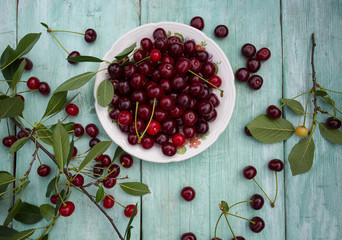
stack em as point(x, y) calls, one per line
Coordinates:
point(313, 200)
point(7, 37)
point(110, 19)
point(216, 173)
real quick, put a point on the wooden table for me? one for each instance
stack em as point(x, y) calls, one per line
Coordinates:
point(308, 206)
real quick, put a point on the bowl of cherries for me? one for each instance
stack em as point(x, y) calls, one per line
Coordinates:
point(174, 92)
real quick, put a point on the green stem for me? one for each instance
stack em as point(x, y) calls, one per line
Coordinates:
point(275, 198)
point(143, 59)
point(230, 227)
point(262, 190)
point(206, 81)
point(135, 118)
point(240, 217)
point(129, 56)
point(59, 43)
point(66, 32)
point(333, 103)
point(306, 107)
point(149, 122)
point(217, 223)
point(248, 201)
point(293, 99)
point(329, 90)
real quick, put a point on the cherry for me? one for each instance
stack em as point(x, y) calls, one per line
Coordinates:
point(188, 193)
point(239, 238)
point(211, 116)
point(33, 83)
point(167, 103)
point(155, 91)
point(74, 152)
point(166, 70)
point(190, 118)
point(188, 236)
point(115, 70)
point(73, 54)
point(145, 68)
point(98, 170)
point(176, 112)
point(258, 225)
point(126, 160)
point(132, 138)
point(54, 199)
point(125, 103)
point(213, 99)
point(153, 128)
point(247, 132)
point(28, 64)
point(146, 44)
point(106, 161)
point(253, 65)
point(22, 134)
point(44, 88)
point(248, 50)
point(78, 181)
point(176, 49)
point(138, 81)
point(178, 82)
point(168, 59)
point(276, 165)
point(156, 75)
point(257, 201)
point(169, 149)
point(114, 171)
point(161, 43)
point(202, 127)
point(184, 99)
point(116, 97)
point(168, 125)
point(160, 138)
point(204, 107)
point(21, 97)
point(242, 74)
point(139, 96)
point(273, 112)
point(108, 201)
point(196, 89)
point(147, 142)
point(78, 129)
point(333, 123)
point(155, 55)
point(166, 85)
point(129, 210)
point(197, 22)
point(71, 109)
point(8, 141)
point(182, 66)
point(124, 88)
point(255, 82)
point(189, 132)
point(145, 112)
point(129, 70)
point(43, 170)
point(140, 126)
point(125, 118)
point(159, 32)
point(67, 209)
point(249, 172)
point(221, 31)
point(189, 47)
point(263, 54)
point(93, 142)
point(208, 69)
point(178, 139)
point(195, 65)
point(216, 81)
point(109, 182)
point(174, 39)
point(202, 55)
point(90, 35)
point(99, 158)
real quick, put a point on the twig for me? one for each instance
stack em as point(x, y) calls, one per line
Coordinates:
point(313, 70)
point(52, 157)
point(33, 159)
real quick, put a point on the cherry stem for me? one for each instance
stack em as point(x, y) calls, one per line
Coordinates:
point(135, 118)
point(59, 43)
point(149, 122)
point(206, 81)
point(8, 130)
point(230, 226)
point(240, 217)
point(262, 190)
point(217, 224)
point(293, 99)
point(129, 56)
point(115, 200)
point(248, 201)
point(306, 107)
point(66, 32)
point(329, 90)
point(143, 59)
point(276, 194)
point(333, 103)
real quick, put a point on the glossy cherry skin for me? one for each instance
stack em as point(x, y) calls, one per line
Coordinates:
point(129, 210)
point(178, 139)
point(54, 199)
point(72, 109)
point(214, 100)
point(195, 65)
point(188, 236)
point(108, 201)
point(273, 112)
point(153, 128)
point(253, 65)
point(28, 64)
point(166, 70)
point(145, 112)
point(140, 126)
point(255, 82)
point(196, 89)
point(129, 70)
point(333, 123)
point(188, 193)
point(208, 69)
point(276, 165)
point(189, 47)
point(176, 112)
point(216, 81)
point(190, 118)
point(161, 43)
point(248, 50)
point(33, 83)
point(202, 55)
point(147, 142)
point(90, 35)
point(98, 170)
point(211, 116)
point(257, 201)
point(160, 138)
point(155, 91)
point(126, 160)
point(166, 85)
point(182, 66)
point(146, 44)
point(78, 180)
point(263, 54)
point(9, 140)
point(242, 74)
point(78, 129)
point(125, 103)
point(189, 132)
point(197, 22)
point(138, 96)
point(169, 149)
point(204, 107)
point(167, 103)
point(249, 172)
point(105, 160)
point(132, 138)
point(159, 32)
point(125, 118)
point(202, 127)
point(22, 134)
point(44, 88)
point(93, 142)
point(73, 54)
point(115, 70)
point(168, 125)
point(139, 55)
point(67, 209)
point(221, 31)
point(178, 82)
point(92, 130)
point(247, 132)
point(155, 55)
point(258, 225)
point(43, 170)
point(109, 182)
point(74, 152)
point(176, 50)
point(114, 171)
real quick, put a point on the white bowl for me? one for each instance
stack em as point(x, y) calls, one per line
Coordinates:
point(225, 110)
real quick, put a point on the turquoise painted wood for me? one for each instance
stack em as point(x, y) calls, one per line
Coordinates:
point(307, 206)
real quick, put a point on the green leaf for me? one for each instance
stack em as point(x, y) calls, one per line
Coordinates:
point(17, 75)
point(321, 93)
point(45, 135)
point(51, 186)
point(85, 59)
point(75, 82)
point(105, 93)
point(118, 152)
point(135, 188)
point(61, 145)
point(5, 96)
point(129, 227)
point(180, 36)
point(5, 179)
point(225, 206)
point(126, 52)
point(28, 214)
point(24, 46)
point(11, 107)
point(294, 105)
point(99, 194)
point(269, 130)
point(67, 126)
point(301, 156)
point(18, 144)
point(332, 135)
point(22, 235)
point(11, 69)
point(96, 151)
point(6, 232)
point(45, 25)
point(71, 151)
point(56, 103)
point(129, 233)
point(46, 237)
point(13, 212)
point(47, 211)
point(329, 101)
point(59, 201)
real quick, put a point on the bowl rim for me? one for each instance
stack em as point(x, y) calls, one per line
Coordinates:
point(180, 157)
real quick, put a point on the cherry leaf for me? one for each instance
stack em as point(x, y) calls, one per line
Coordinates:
point(105, 93)
point(6, 232)
point(56, 103)
point(44, 134)
point(118, 152)
point(99, 194)
point(135, 188)
point(18, 144)
point(294, 105)
point(17, 75)
point(11, 107)
point(75, 82)
point(126, 52)
point(96, 151)
point(47, 211)
point(12, 68)
point(302, 155)
point(61, 145)
point(22, 235)
point(85, 59)
point(13, 211)
point(332, 135)
point(28, 214)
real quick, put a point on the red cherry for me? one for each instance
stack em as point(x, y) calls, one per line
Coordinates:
point(109, 182)
point(78, 129)
point(67, 209)
point(249, 172)
point(54, 199)
point(216, 80)
point(21, 97)
point(8, 141)
point(178, 139)
point(28, 64)
point(78, 181)
point(43, 170)
point(72, 109)
point(129, 210)
point(44, 88)
point(99, 158)
point(258, 225)
point(188, 193)
point(126, 160)
point(92, 130)
point(155, 55)
point(153, 128)
point(125, 118)
point(108, 201)
point(74, 152)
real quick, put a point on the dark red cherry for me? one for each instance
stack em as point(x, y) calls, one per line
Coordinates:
point(276, 165)
point(257, 201)
point(208, 69)
point(204, 107)
point(197, 22)
point(188, 236)
point(160, 114)
point(22, 134)
point(202, 55)
point(125, 103)
point(190, 118)
point(214, 100)
point(138, 81)
point(196, 89)
point(159, 32)
point(90, 35)
point(115, 84)
point(139, 96)
point(33, 83)
point(109, 182)
point(263, 54)
point(167, 103)
point(176, 50)
point(93, 142)
point(253, 65)
point(78, 180)
point(115, 70)
point(258, 225)
point(255, 82)
point(106, 161)
point(108, 201)
point(178, 82)
point(132, 138)
point(126, 160)
point(182, 66)
point(98, 170)
point(145, 68)
point(211, 116)
point(189, 132)
point(273, 112)
point(249, 172)
point(43, 170)
point(8, 141)
point(202, 127)
point(221, 31)
point(146, 44)
point(71, 109)
point(74, 152)
point(168, 125)
point(92, 130)
point(166, 85)
point(140, 126)
point(195, 65)
point(168, 59)
point(248, 50)
point(66, 209)
point(247, 132)
point(161, 43)
point(73, 54)
point(28, 64)
point(155, 91)
point(125, 118)
point(239, 238)
point(114, 171)
point(242, 74)
point(333, 123)
point(174, 39)
point(166, 70)
point(189, 47)
point(129, 70)
point(139, 55)
point(78, 129)
point(54, 199)
point(169, 149)
point(160, 138)
point(129, 210)
point(147, 142)
point(145, 112)
point(124, 88)
point(44, 88)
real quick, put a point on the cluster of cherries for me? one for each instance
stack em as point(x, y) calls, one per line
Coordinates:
point(164, 92)
point(253, 65)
